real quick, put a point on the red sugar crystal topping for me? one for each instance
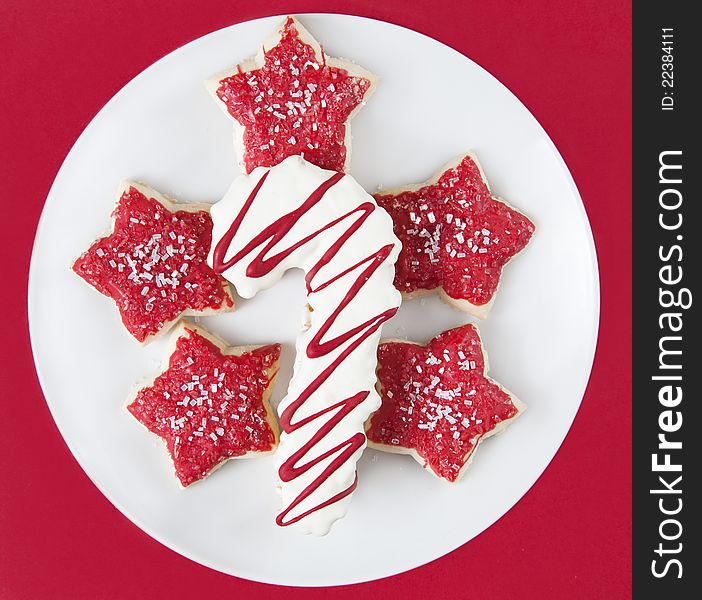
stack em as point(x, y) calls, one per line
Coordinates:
point(154, 264)
point(437, 401)
point(208, 406)
point(293, 104)
point(455, 235)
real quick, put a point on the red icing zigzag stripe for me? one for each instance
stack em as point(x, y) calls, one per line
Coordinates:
point(261, 265)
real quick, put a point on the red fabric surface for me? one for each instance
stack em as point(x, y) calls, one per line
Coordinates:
point(569, 62)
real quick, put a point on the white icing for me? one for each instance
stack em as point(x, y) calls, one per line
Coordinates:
point(286, 187)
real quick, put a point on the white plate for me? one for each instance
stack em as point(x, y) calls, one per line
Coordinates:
point(432, 104)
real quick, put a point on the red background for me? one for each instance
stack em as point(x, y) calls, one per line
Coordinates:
point(569, 62)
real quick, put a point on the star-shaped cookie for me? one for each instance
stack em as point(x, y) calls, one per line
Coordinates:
point(290, 99)
point(456, 237)
point(154, 263)
point(210, 404)
point(438, 403)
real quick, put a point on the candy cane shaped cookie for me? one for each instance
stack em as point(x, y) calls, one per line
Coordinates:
point(298, 215)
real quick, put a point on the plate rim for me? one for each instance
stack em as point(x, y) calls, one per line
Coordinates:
point(75, 148)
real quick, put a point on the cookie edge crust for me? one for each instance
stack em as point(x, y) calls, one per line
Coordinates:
point(172, 206)
point(480, 311)
point(499, 428)
point(253, 63)
point(272, 372)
